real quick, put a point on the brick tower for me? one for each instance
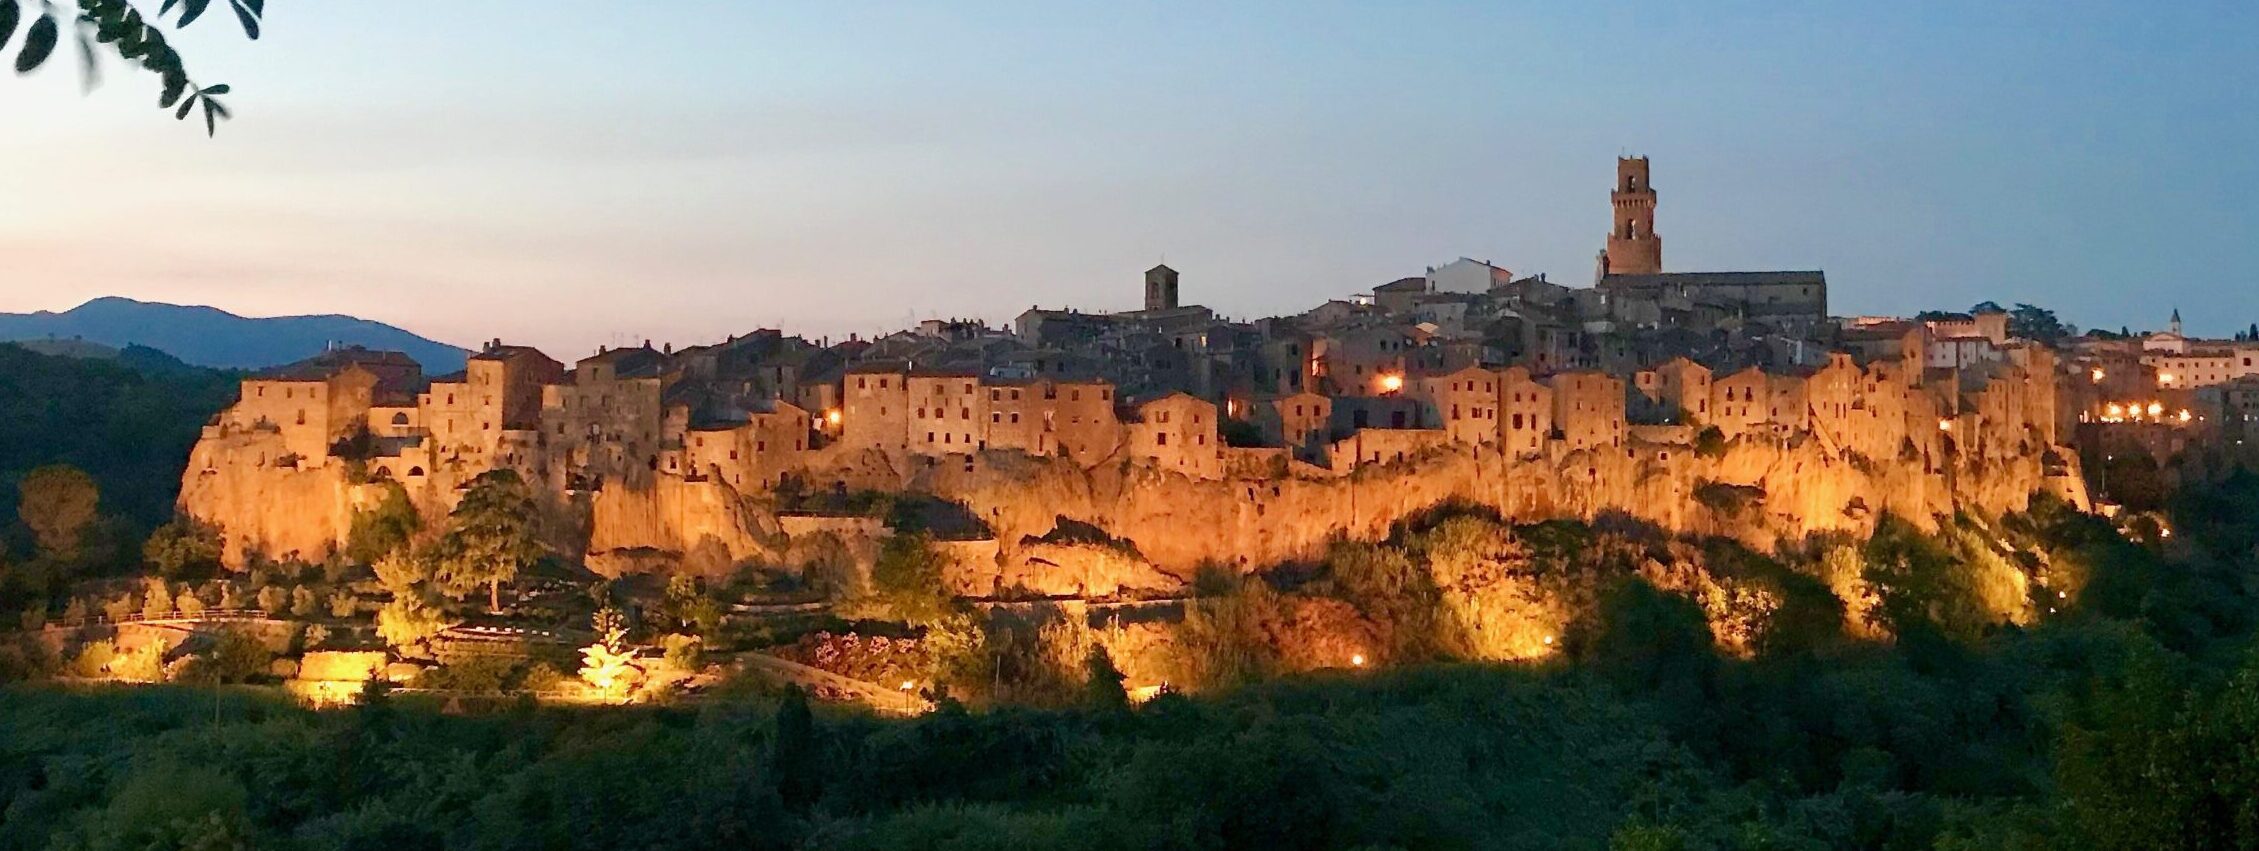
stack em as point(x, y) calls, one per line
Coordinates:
point(1633, 247)
point(1160, 288)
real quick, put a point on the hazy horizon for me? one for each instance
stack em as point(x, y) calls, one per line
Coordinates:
point(544, 175)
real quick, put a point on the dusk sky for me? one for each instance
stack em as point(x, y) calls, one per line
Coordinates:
point(565, 174)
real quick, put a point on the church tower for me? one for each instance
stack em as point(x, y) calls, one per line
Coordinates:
point(1633, 247)
point(1160, 288)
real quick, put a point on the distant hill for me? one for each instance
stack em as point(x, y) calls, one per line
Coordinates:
point(127, 419)
point(207, 336)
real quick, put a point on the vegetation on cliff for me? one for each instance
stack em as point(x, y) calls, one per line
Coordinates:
point(2051, 682)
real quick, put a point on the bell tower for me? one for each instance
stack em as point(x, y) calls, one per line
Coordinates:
point(1160, 288)
point(1633, 247)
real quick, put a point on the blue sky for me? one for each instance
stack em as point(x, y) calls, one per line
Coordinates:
point(568, 173)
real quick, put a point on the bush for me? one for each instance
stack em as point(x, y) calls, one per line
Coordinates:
point(1728, 499)
point(273, 600)
point(342, 604)
point(235, 657)
point(93, 660)
point(1710, 443)
point(156, 600)
point(542, 678)
point(304, 603)
point(189, 605)
point(684, 653)
point(184, 548)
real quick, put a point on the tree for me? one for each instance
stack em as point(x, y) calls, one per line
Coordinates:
point(608, 665)
point(492, 538)
point(1103, 690)
point(2036, 323)
point(906, 579)
point(377, 532)
point(58, 504)
point(408, 619)
point(118, 28)
point(184, 548)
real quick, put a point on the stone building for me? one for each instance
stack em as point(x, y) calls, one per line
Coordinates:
point(1588, 410)
point(1178, 432)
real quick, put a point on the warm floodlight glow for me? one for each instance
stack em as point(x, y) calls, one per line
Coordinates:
point(2186, 416)
point(1549, 641)
point(1357, 660)
point(909, 685)
point(832, 416)
point(2098, 374)
point(1391, 383)
point(1944, 425)
point(2164, 378)
point(2156, 410)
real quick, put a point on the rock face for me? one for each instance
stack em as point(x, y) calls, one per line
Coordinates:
point(1759, 489)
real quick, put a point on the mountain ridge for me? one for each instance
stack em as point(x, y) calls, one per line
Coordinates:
point(208, 336)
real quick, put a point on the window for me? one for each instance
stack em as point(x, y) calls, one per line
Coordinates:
point(1160, 438)
point(859, 382)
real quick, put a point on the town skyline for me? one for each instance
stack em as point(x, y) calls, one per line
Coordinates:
point(837, 171)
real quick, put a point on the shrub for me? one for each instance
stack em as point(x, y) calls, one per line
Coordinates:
point(235, 657)
point(183, 548)
point(684, 652)
point(189, 604)
point(1710, 443)
point(342, 604)
point(273, 600)
point(93, 660)
point(1729, 499)
point(157, 600)
point(121, 607)
point(304, 603)
point(542, 678)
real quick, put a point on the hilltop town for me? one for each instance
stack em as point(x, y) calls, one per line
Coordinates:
point(1719, 402)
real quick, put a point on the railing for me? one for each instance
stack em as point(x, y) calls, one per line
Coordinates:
point(878, 696)
point(175, 617)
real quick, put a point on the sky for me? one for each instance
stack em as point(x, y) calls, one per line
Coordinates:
point(571, 174)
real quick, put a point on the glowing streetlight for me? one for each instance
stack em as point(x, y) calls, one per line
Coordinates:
point(2156, 410)
point(2098, 375)
point(909, 685)
point(1391, 383)
point(832, 416)
point(2185, 415)
point(1357, 660)
point(1944, 425)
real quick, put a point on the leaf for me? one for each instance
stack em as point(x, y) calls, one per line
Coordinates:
point(248, 13)
point(185, 105)
point(220, 89)
point(10, 16)
point(38, 44)
point(91, 72)
point(175, 86)
point(190, 10)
